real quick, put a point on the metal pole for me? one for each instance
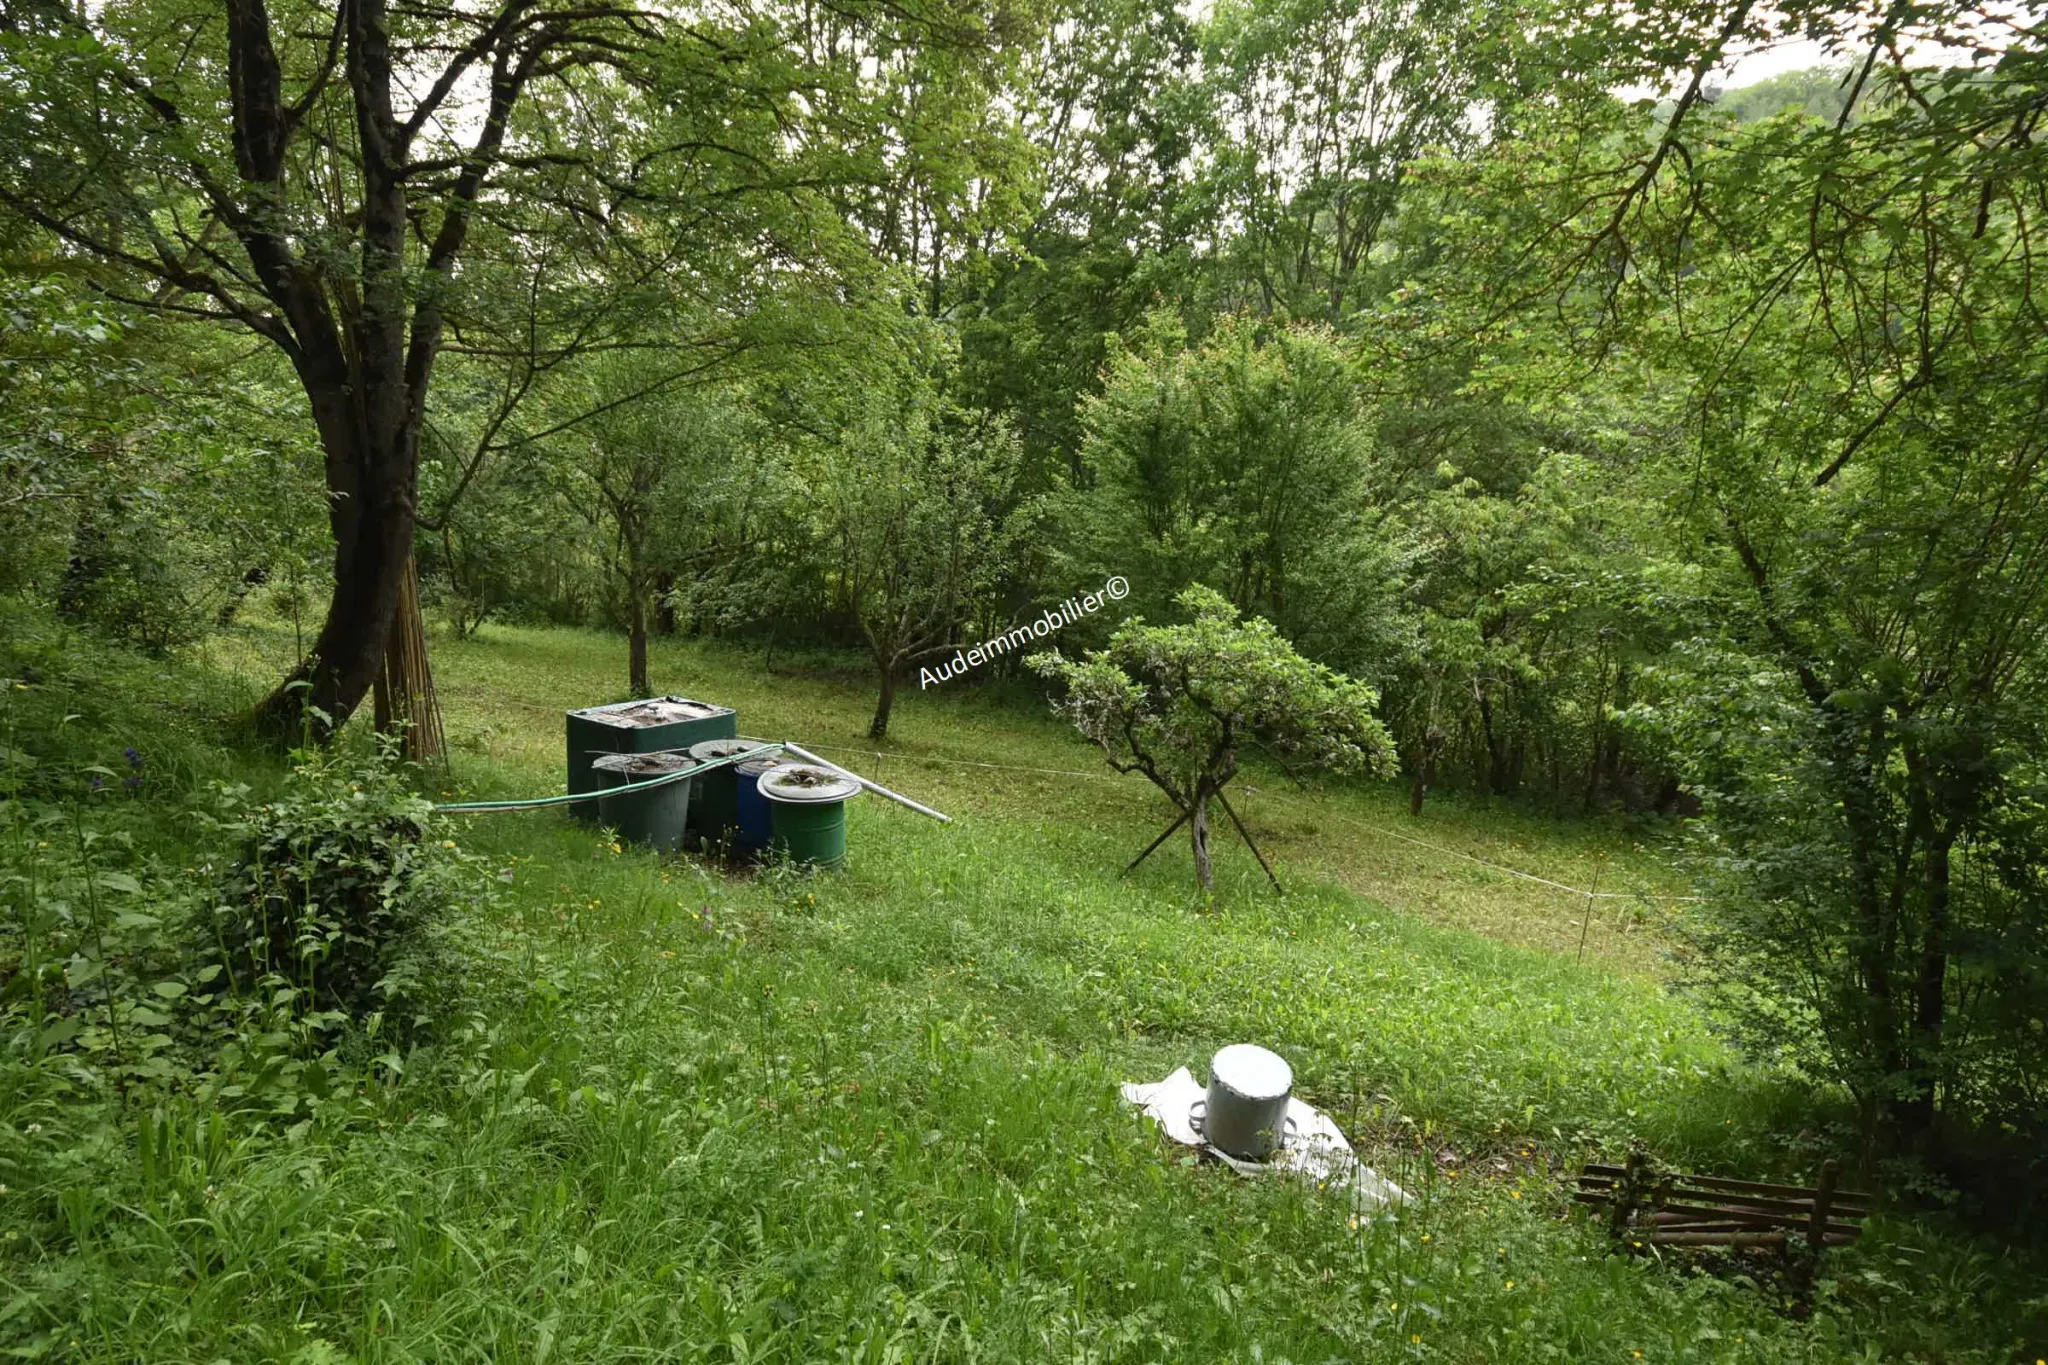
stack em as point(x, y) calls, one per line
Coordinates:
point(874, 787)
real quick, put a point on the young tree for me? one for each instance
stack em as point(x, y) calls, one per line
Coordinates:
point(648, 477)
point(919, 517)
point(1176, 703)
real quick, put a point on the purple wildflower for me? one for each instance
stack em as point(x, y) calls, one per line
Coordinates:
point(98, 782)
point(134, 758)
point(134, 783)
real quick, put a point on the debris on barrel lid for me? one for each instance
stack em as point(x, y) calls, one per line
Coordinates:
point(656, 711)
point(801, 783)
point(706, 750)
point(643, 765)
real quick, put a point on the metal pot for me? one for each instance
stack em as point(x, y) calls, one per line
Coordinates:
point(1245, 1111)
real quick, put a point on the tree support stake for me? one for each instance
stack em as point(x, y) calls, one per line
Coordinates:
point(1164, 836)
point(1247, 836)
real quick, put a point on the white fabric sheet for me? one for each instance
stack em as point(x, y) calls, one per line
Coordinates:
point(1317, 1150)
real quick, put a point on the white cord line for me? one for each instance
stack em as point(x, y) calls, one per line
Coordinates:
point(1360, 824)
point(964, 763)
point(1516, 872)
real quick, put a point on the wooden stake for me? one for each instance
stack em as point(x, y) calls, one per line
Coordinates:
point(1168, 834)
point(1587, 923)
point(1248, 841)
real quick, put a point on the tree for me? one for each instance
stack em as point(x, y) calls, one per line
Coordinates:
point(918, 514)
point(1831, 333)
point(649, 477)
point(319, 176)
point(1177, 702)
point(1320, 106)
point(1112, 105)
point(216, 178)
point(1245, 463)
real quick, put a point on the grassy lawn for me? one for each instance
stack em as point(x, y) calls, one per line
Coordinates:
point(873, 1116)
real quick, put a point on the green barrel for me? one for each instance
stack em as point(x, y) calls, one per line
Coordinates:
point(654, 816)
point(807, 804)
point(637, 727)
point(714, 806)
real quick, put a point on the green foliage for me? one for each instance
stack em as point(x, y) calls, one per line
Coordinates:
point(917, 515)
point(1320, 106)
point(1176, 703)
point(1180, 699)
point(338, 895)
point(1679, 452)
point(1245, 463)
point(55, 410)
point(1818, 92)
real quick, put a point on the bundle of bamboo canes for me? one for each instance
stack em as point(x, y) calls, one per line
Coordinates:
point(405, 690)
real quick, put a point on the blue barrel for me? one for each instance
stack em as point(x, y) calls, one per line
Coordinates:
point(756, 819)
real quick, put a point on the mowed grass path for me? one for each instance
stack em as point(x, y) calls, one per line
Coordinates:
point(873, 1116)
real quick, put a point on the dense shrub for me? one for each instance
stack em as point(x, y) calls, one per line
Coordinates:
point(341, 890)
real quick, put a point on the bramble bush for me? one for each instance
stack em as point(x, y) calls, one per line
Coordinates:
point(340, 894)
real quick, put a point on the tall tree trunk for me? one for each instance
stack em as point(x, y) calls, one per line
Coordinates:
point(364, 357)
point(1851, 748)
point(371, 510)
point(884, 704)
point(1915, 1115)
point(1425, 768)
point(636, 647)
point(665, 602)
point(1198, 833)
point(1497, 777)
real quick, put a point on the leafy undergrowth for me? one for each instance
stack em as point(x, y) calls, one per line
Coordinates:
point(669, 1114)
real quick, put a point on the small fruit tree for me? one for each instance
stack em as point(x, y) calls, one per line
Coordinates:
point(1176, 702)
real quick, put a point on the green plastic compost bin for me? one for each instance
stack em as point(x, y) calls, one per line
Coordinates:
point(807, 805)
point(714, 805)
point(652, 815)
point(637, 727)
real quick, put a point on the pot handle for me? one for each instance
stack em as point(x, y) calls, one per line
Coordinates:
point(1198, 1118)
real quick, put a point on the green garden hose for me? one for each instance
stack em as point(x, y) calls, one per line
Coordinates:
point(539, 801)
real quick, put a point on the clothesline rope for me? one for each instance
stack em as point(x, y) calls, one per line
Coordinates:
point(1360, 824)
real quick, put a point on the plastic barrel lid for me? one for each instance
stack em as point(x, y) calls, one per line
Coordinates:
point(1253, 1071)
point(704, 750)
point(806, 783)
point(642, 765)
point(652, 711)
point(754, 767)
